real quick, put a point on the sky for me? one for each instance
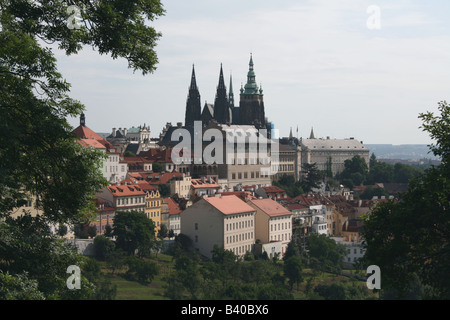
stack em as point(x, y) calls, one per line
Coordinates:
point(348, 68)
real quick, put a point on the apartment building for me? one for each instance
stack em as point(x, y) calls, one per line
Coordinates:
point(181, 185)
point(153, 202)
point(130, 197)
point(225, 221)
point(273, 223)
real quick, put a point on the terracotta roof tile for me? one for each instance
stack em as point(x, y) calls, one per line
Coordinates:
point(229, 204)
point(126, 190)
point(271, 207)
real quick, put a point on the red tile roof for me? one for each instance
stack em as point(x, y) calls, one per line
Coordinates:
point(172, 206)
point(84, 132)
point(199, 183)
point(229, 204)
point(144, 185)
point(154, 178)
point(89, 138)
point(126, 190)
point(271, 207)
point(91, 143)
point(295, 206)
point(243, 195)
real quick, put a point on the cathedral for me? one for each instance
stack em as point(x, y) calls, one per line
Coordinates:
point(249, 112)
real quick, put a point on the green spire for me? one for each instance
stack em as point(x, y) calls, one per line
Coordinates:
point(251, 87)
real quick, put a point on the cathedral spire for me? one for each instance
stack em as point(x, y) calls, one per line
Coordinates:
point(193, 104)
point(193, 80)
point(222, 112)
point(221, 79)
point(231, 94)
point(251, 87)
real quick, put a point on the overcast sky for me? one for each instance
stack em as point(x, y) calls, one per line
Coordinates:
point(321, 64)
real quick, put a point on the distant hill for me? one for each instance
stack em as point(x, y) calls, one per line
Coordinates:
point(402, 151)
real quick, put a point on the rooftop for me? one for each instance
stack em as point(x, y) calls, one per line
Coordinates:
point(126, 190)
point(229, 204)
point(271, 207)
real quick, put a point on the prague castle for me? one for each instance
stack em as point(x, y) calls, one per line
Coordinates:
point(249, 112)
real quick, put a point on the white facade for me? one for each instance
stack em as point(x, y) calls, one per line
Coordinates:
point(354, 250)
point(175, 223)
point(115, 171)
point(319, 224)
point(225, 221)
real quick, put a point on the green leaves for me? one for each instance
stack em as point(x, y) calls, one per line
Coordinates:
point(410, 238)
point(39, 155)
point(118, 28)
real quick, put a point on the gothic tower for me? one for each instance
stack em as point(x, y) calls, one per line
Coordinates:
point(251, 104)
point(222, 111)
point(193, 104)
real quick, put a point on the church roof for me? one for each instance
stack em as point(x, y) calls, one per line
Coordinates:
point(84, 132)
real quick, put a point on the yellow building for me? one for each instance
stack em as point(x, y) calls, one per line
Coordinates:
point(153, 202)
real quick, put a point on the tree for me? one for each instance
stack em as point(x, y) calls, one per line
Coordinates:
point(188, 274)
point(380, 172)
point(164, 190)
point(293, 270)
point(92, 231)
point(134, 232)
point(370, 192)
point(103, 246)
point(162, 232)
point(108, 231)
point(157, 167)
point(355, 171)
point(403, 173)
point(291, 250)
point(39, 155)
point(141, 270)
point(27, 243)
point(311, 177)
point(19, 287)
point(325, 253)
point(115, 260)
point(409, 238)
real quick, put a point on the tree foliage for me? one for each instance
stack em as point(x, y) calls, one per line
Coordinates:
point(134, 232)
point(311, 177)
point(287, 182)
point(409, 238)
point(325, 254)
point(39, 155)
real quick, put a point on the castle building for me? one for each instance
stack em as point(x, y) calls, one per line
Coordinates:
point(249, 112)
point(223, 116)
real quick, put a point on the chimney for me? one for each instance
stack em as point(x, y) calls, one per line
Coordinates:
point(179, 124)
point(114, 132)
